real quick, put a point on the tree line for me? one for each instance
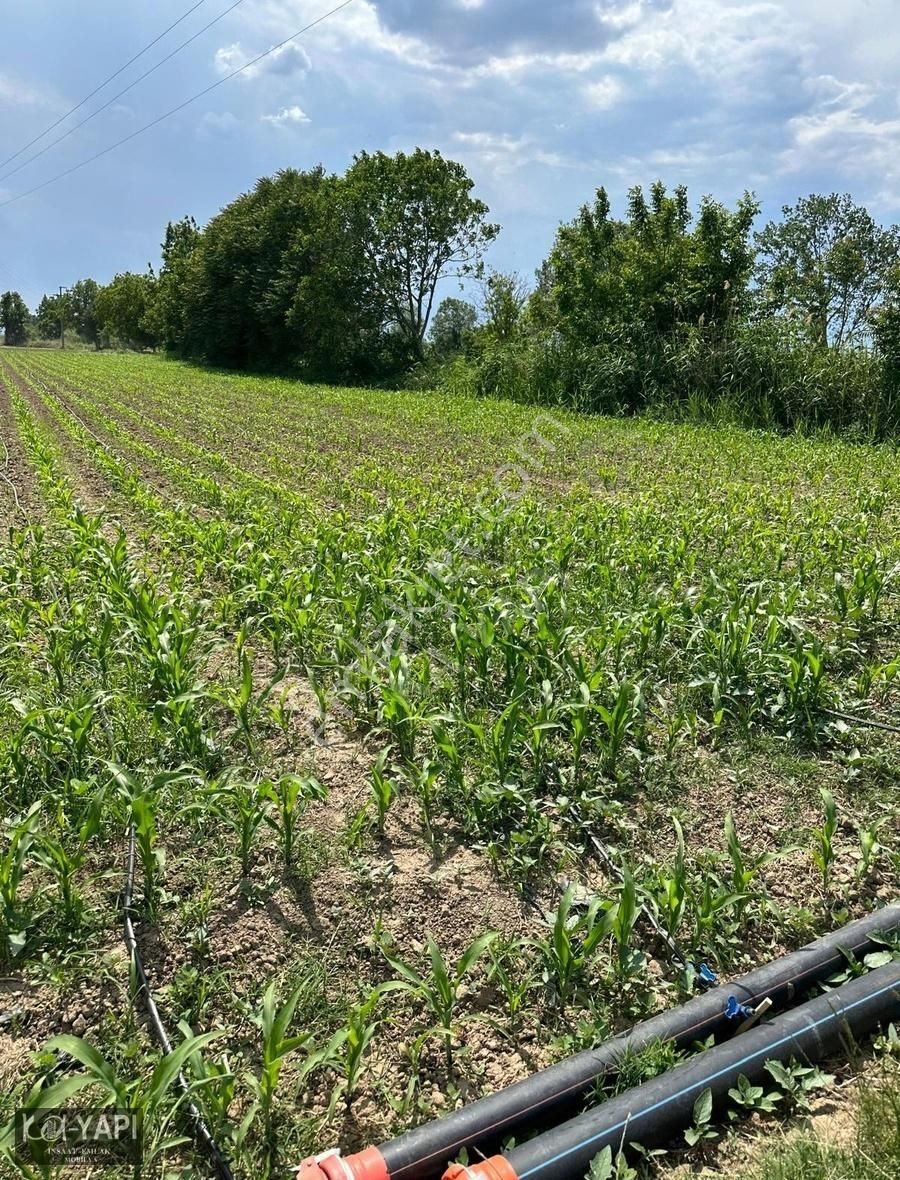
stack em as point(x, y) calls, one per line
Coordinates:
point(335, 277)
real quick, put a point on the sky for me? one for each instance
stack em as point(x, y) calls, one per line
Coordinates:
point(542, 100)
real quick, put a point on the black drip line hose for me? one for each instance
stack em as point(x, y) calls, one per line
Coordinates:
point(202, 1133)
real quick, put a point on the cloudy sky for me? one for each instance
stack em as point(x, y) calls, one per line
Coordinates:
point(543, 100)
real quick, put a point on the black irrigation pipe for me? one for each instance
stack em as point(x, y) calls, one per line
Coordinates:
point(870, 722)
point(201, 1132)
point(553, 1093)
point(654, 1112)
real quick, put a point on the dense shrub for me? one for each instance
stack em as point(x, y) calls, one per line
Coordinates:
point(760, 374)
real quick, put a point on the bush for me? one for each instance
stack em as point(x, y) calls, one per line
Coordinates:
point(759, 374)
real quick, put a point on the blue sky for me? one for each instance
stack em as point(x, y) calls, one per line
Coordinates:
point(542, 101)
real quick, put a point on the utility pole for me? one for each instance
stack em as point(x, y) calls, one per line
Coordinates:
point(62, 316)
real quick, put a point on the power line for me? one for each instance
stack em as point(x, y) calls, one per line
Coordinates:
point(116, 97)
point(174, 111)
point(97, 90)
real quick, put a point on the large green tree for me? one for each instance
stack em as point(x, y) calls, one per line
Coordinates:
point(14, 318)
point(124, 309)
point(235, 307)
point(505, 297)
point(826, 263)
point(81, 307)
point(452, 326)
point(50, 314)
point(416, 220)
point(647, 275)
point(171, 304)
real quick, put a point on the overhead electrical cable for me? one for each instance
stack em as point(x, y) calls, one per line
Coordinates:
point(174, 111)
point(97, 89)
point(116, 97)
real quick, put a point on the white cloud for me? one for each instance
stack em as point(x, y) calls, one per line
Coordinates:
point(604, 93)
point(845, 133)
point(219, 123)
point(504, 153)
point(14, 92)
point(289, 59)
point(730, 41)
point(290, 115)
point(515, 65)
point(360, 25)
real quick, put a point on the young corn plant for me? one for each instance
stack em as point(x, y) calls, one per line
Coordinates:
point(19, 838)
point(148, 1097)
point(273, 1022)
point(383, 789)
point(823, 852)
point(572, 941)
point(245, 704)
point(512, 972)
point(713, 909)
point(671, 887)
point(617, 724)
point(629, 960)
point(64, 864)
point(354, 1040)
point(804, 690)
point(745, 869)
point(439, 988)
point(142, 796)
point(869, 848)
point(291, 795)
point(243, 807)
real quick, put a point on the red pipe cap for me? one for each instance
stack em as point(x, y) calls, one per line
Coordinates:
point(496, 1168)
point(331, 1165)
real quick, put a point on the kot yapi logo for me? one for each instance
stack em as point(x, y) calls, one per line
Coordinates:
point(65, 1136)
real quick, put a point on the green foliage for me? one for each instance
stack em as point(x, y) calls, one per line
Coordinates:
point(334, 274)
point(439, 988)
point(452, 327)
point(277, 1043)
point(573, 939)
point(823, 851)
point(14, 318)
point(123, 309)
point(623, 631)
point(416, 220)
point(504, 302)
point(291, 794)
point(798, 1082)
point(701, 1129)
point(827, 263)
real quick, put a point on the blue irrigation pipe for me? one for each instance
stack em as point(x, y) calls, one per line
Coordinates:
point(552, 1095)
point(658, 1110)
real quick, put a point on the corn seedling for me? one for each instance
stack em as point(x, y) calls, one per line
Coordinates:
point(243, 807)
point(629, 961)
point(246, 705)
point(869, 848)
point(572, 941)
point(273, 1022)
point(382, 788)
point(512, 972)
point(439, 988)
point(291, 795)
point(19, 837)
point(823, 852)
point(354, 1040)
point(150, 1098)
